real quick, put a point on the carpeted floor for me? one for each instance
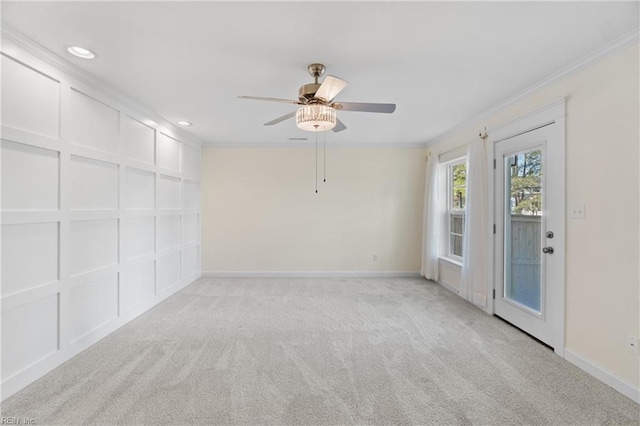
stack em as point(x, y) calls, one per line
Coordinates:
point(319, 351)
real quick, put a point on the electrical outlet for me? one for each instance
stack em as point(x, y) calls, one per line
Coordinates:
point(632, 344)
point(375, 257)
point(577, 211)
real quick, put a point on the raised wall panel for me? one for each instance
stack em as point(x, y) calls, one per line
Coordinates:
point(168, 153)
point(140, 189)
point(190, 261)
point(138, 140)
point(94, 184)
point(30, 100)
point(29, 178)
point(168, 192)
point(94, 244)
point(190, 161)
point(168, 270)
point(190, 194)
point(93, 124)
point(137, 237)
point(168, 234)
point(137, 283)
point(91, 305)
point(29, 256)
point(29, 333)
point(81, 183)
point(190, 228)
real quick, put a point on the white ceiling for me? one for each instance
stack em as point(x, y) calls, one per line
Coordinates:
point(442, 63)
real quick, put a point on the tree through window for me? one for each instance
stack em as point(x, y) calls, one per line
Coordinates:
point(457, 194)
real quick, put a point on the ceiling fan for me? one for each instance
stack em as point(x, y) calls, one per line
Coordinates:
point(317, 111)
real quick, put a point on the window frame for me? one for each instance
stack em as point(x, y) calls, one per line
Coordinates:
point(453, 211)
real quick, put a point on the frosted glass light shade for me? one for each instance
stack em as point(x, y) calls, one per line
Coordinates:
point(316, 117)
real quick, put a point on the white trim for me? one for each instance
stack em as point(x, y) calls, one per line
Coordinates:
point(310, 274)
point(546, 114)
point(603, 375)
point(451, 261)
point(453, 155)
point(36, 58)
point(13, 38)
point(309, 144)
point(39, 368)
point(593, 58)
point(553, 112)
point(449, 287)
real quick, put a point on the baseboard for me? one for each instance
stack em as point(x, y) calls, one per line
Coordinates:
point(448, 286)
point(604, 376)
point(309, 274)
point(41, 367)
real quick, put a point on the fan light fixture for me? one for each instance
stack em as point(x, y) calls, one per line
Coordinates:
point(316, 117)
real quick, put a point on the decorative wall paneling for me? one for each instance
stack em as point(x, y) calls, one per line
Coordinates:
point(100, 215)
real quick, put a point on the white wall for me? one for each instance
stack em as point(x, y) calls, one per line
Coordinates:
point(261, 212)
point(100, 216)
point(602, 250)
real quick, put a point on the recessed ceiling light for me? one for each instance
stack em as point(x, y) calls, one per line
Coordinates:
point(81, 52)
point(184, 123)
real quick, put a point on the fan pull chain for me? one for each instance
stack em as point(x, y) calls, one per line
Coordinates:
point(324, 157)
point(316, 159)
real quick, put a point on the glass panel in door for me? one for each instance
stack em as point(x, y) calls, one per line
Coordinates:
point(523, 231)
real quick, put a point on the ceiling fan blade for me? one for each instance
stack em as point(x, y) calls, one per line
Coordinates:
point(279, 119)
point(259, 98)
point(339, 126)
point(330, 87)
point(366, 107)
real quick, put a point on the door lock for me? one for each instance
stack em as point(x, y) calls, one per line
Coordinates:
point(547, 250)
point(549, 234)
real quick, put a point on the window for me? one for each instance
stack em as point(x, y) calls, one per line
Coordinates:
point(457, 197)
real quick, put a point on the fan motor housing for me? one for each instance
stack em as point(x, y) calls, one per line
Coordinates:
point(308, 91)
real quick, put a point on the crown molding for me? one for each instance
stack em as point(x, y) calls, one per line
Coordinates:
point(15, 38)
point(618, 45)
point(310, 144)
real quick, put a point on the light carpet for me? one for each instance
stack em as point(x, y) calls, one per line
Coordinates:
point(333, 351)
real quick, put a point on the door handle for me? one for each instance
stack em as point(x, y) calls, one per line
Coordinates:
point(547, 250)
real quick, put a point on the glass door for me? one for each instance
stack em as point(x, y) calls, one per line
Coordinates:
point(523, 283)
point(529, 208)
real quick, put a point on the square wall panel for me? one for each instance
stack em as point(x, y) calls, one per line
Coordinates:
point(137, 283)
point(138, 140)
point(190, 194)
point(137, 237)
point(91, 305)
point(94, 184)
point(30, 99)
point(29, 334)
point(140, 189)
point(168, 153)
point(94, 245)
point(29, 256)
point(190, 261)
point(92, 123)
point(190, 228)
point(168, 234)
point(168, 192)
point(168, 270)
point(190, 161)
point(30, 178)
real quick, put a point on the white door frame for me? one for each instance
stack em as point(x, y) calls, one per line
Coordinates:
point(554, 112)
